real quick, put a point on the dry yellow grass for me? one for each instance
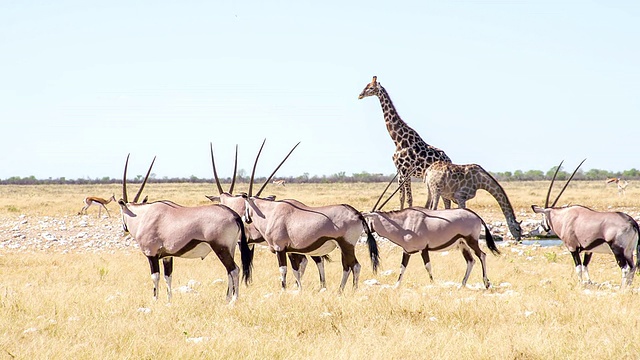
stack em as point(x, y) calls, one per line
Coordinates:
point(98, 304)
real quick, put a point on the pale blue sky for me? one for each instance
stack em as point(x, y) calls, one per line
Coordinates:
point(506, 84)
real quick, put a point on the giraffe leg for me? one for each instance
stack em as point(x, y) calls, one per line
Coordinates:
point(407, 189)
point(462, 204)
point(447, 203)
point(402, 192)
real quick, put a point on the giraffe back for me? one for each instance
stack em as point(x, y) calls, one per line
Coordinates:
point(460, 183)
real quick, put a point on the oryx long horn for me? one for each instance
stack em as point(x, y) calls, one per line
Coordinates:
point(384, 191)
point(135, 199)
point(124, 181)
point(408, 178)
point(274, 171)
point(565, 185)
point(546, 201)
point(254, 169)
point(235, 168)
point(215, 172)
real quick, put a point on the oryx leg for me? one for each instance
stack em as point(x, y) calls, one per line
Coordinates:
point(167, 264)
point(403, 267)
point(154, 264)
point(427, 262)
point(298, 265)
point(473, 244)
point(226, 257)
point(580, 269)
point(319, 260)
point(585, 271)
point(349, 264)
point(282, 265)
point(470, 261)
point(625, 261)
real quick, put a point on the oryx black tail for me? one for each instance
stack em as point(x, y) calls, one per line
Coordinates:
point(246, 253)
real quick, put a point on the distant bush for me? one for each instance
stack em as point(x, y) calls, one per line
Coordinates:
point(341, 177)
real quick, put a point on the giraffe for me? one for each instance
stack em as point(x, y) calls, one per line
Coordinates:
point(459, 183)
point(411, 151)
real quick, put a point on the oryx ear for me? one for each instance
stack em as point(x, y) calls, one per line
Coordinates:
point(537, 209)
point(121, 203)
point(270, 197)
point(213, 198)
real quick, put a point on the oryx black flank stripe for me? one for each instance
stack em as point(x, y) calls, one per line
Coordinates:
point(449, 243)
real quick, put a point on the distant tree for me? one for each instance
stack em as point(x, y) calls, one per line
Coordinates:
point(534, 175)
point(633, 173)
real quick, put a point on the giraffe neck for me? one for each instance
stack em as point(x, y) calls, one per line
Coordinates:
point(399, 131)
point(488, 183)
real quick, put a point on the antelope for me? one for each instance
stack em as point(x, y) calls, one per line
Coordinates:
point(583, 230)
point(280, 182)
point(100, 202)
point(622, 186)
point(165, 230)
point(418, 229)
point(237, 203)
point(289, 226)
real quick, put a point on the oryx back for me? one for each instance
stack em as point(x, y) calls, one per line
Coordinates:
point(422, 230)
point(415, 229)
point(582, 228)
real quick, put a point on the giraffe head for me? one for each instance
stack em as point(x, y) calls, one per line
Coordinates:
point(372, 89)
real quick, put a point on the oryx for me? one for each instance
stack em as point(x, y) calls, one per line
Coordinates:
point(418, 229)
point(586, 230)
point(164, 230)
point(237, 204)
point(289, 226)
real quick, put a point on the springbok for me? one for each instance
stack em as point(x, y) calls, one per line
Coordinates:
point(621, 184)
point(289, 226)
point(237, 204)
point(420, 229)
point(165, 230)
point(280, 182)
point(100, 202)
point(585, 230)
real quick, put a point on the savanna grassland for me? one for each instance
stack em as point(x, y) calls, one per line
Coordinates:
point(75, 287)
